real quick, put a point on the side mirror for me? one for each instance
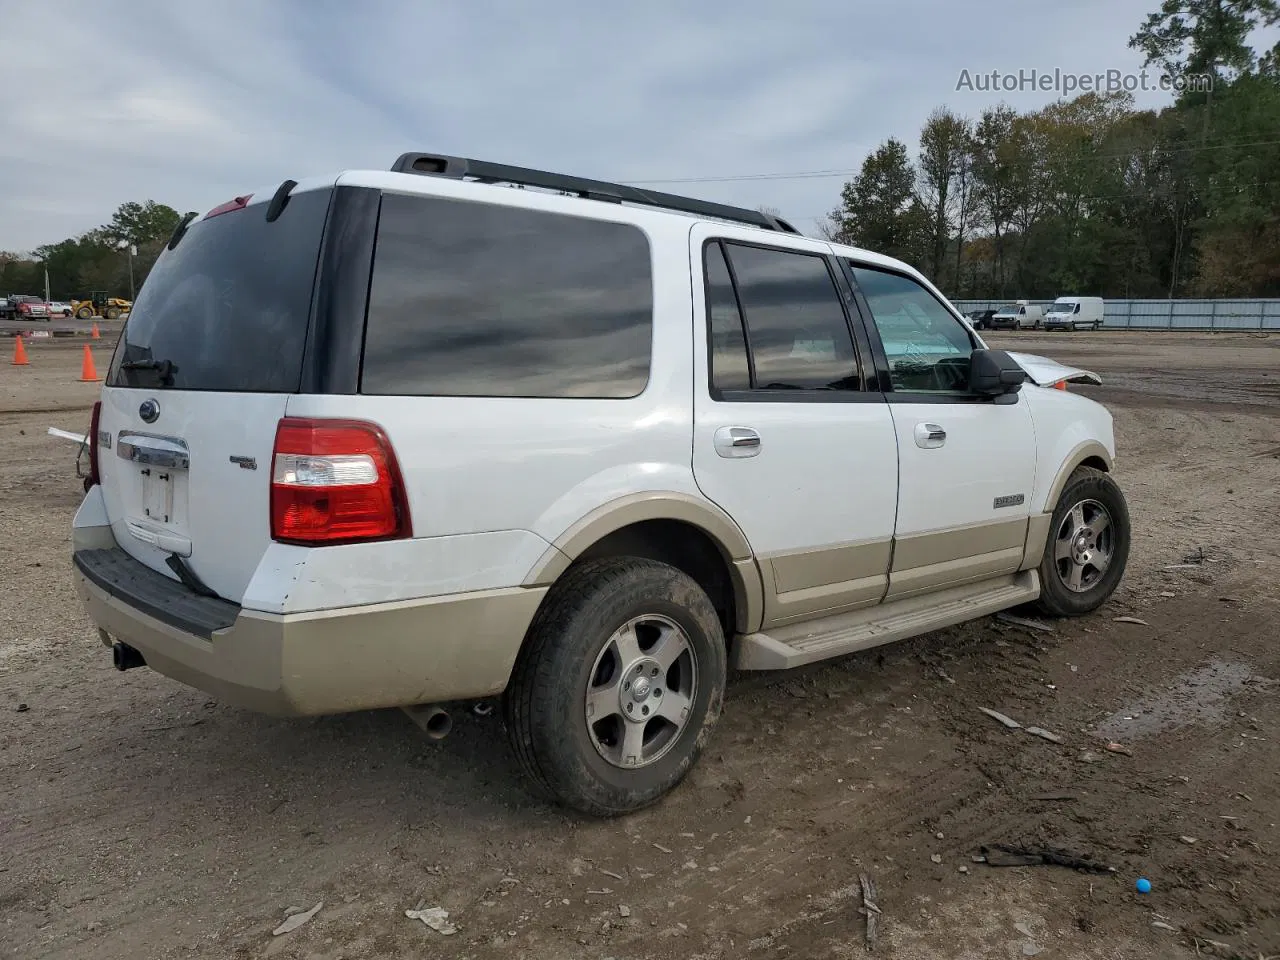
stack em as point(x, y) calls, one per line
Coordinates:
point(993, 373)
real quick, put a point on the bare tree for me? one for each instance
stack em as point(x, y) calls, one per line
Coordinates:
point(944, 145)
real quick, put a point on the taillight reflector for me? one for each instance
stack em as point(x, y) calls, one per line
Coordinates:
point(95, 418)
point(335, 481)
point(1060, 385)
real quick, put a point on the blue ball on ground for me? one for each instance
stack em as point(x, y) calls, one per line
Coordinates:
point(1143, 885)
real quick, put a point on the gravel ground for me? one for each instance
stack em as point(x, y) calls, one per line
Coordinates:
point(142, 819)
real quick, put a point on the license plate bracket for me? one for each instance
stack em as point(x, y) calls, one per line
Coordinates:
point(157, 494)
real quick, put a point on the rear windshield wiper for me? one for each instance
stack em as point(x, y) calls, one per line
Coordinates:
point(164, 368)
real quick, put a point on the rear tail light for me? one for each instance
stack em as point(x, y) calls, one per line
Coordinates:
point(1060, 385)
point(95, 418)
point(335, 481)
point(235, 203)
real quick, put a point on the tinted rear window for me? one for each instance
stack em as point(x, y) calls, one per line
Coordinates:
point(474, 299)
point(229, 306)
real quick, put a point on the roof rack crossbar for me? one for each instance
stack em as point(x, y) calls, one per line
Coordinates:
point(459, 168)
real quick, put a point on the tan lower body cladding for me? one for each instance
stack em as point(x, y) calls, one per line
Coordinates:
point(849, 576)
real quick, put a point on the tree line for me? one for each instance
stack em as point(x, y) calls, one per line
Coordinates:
point(1092, 196)
point(95, 261)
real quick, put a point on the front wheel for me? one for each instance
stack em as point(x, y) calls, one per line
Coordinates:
point(1088, 546)
point(84, 313)
point(618, 686)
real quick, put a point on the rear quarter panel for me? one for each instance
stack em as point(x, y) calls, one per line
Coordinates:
point(493, 481)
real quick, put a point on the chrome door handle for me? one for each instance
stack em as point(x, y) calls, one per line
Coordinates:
point(930, 435)
point(737, 442)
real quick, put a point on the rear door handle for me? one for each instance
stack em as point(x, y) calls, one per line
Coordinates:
point(737, 442)
point(930, 435)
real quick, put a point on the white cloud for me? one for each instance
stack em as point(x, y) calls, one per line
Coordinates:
point(189, 102)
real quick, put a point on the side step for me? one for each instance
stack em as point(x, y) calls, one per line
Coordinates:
point(794, 645)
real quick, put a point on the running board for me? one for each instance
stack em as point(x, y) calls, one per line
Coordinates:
point(794, 645)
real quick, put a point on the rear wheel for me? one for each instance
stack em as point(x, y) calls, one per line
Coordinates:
point(1088, 546)
point(111, 313)
point(618, 686)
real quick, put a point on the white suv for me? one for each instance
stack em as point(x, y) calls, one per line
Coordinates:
point(413, 437)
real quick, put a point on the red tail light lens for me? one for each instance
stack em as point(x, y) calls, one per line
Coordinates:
point(95, 418)
point(1060, 385)
point(335, 481)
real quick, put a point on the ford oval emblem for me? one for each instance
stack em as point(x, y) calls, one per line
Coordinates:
point(149, 411)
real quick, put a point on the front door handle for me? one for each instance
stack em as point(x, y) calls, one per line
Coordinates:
point(737, 442)
point(930, 435)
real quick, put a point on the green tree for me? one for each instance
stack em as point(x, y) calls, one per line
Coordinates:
point(140, 223)
point(1203, 36)
point(879, 208)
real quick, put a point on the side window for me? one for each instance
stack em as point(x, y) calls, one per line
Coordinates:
point(730, 368)
point(928, 348)
point(477, 299)
point(796, 329)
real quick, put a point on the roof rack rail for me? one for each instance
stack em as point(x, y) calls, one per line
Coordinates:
point(459, 168)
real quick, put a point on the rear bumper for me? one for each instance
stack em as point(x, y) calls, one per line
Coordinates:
point(359, 658)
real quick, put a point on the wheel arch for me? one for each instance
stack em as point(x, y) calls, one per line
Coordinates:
point(691, 534)
point(1088, 453)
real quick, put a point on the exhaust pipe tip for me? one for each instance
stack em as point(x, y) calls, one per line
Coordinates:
point(125, 657)
point(434, 721)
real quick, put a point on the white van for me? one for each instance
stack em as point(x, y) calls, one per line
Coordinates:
point(1074, 313)
point(1015, 316)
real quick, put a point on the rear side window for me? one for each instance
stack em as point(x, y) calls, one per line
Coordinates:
point(730, 367)
point(228, 308)
point(475, 299)
point(796, 331)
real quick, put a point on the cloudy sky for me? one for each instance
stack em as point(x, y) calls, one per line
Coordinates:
point(189, 102)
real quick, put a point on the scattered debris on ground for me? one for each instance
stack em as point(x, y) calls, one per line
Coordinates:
point(870, 908)
point(436, 918)
point(296, 917)
point(1010, 855)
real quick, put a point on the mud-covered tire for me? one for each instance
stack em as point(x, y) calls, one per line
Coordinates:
point(545, 703)
point(1089, 489)
point(111, 313)
point(84, 313)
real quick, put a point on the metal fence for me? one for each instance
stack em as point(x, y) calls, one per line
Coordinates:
point(1170, 314)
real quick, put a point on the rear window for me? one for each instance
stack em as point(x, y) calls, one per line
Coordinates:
point(228, 308)
point(474, 299)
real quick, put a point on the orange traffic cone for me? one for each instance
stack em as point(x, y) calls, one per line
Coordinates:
point(87, 373)
point(20, 354)
point(95, 335)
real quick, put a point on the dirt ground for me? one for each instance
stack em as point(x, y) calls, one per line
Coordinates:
point(138, 818)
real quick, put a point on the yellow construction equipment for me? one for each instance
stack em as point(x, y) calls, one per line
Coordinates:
point(100, 305)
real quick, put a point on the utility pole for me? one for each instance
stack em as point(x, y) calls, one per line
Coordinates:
point(132, 250)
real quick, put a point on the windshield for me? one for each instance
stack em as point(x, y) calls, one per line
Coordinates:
point(1008, 308)
point(1062, 306)
point(228, 308)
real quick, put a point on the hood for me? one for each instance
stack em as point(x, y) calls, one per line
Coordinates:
point(1046, 372)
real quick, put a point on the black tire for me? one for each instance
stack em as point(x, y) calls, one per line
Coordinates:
point(545, 701)
point(1085, 485)
point(84, 313)
point(111, 313)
